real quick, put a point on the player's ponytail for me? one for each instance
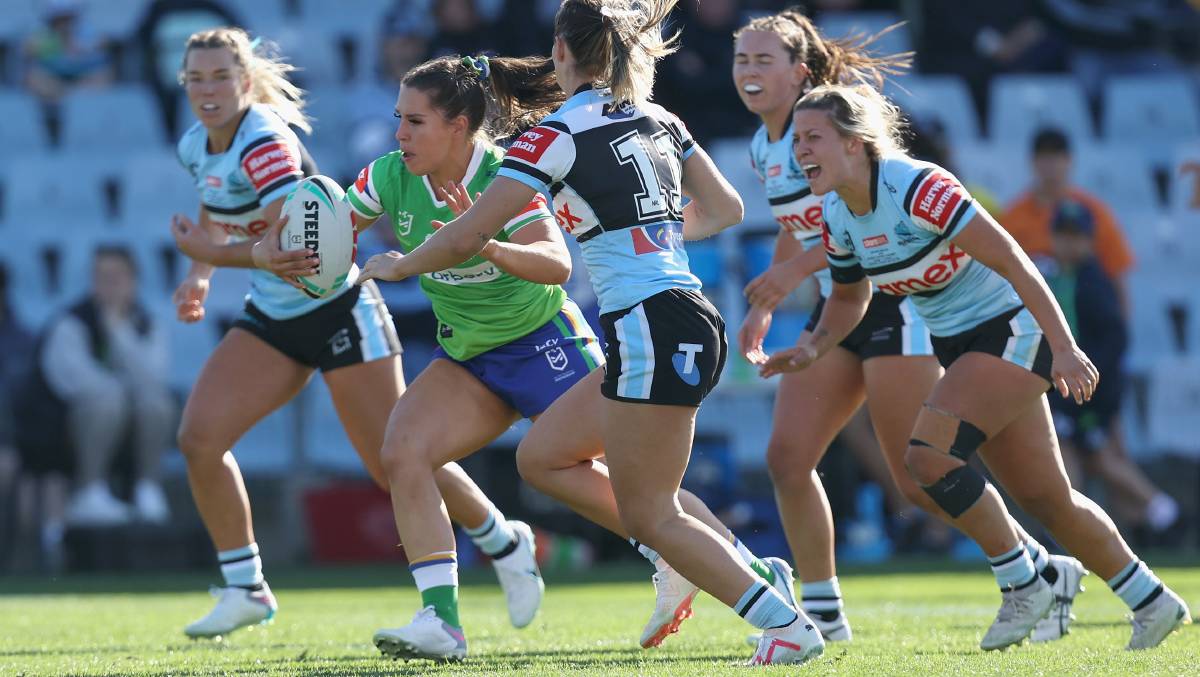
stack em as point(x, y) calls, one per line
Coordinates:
point(617, 42)
point(859, 111)
point(499, 96)
point(831, 61)
point(261, 64)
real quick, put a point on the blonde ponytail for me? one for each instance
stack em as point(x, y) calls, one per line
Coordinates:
point(266, 70)
point(859, 111)
point(617, 42)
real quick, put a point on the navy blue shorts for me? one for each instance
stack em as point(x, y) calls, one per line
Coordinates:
point(536, 369)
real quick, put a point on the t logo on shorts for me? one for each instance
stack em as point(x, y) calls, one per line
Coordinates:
point(684, 362)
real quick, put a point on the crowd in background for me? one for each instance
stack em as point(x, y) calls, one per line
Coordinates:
point(103, 360)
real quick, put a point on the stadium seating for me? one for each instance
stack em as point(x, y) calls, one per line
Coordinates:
point(1117, 173)
point(62, 189)
point(316, 56)
point(1019, 105)
point(944, 98)
point(154, 186)
point(1002, 169)
point(353, 18)
point(732, 157)
point(1152, 112)
point(18, 19)
point(114, 18)
point(23, 130)
point(114, 120)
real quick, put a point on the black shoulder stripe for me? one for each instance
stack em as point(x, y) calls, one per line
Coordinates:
point(290, 178)
point(784, 199)
point(912, 190)
point(232, 211)
point(958, 214)
point(556, 124)
point(259, 142)
point(527, 169)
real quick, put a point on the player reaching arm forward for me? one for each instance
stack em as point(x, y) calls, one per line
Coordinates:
point(911, 229)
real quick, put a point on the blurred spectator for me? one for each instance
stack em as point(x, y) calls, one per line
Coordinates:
point(697, 81)
point(977, 40)
point(530, 31)
point(162, 35)
point(1119, 37)
point(16, 347)
point(106, 362)
point(1089, 434)
point(62, 55)
point(404, 39)
point(1029, 217)
point(462, 29)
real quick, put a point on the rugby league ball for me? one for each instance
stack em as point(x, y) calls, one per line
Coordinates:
point(319, 218)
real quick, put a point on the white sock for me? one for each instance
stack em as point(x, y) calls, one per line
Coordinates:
point(494, 537)
point(241, 567)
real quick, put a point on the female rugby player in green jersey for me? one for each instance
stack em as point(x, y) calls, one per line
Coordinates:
point(244, 159)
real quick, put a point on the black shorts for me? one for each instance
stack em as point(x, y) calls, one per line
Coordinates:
point(888, 328)
point(355, 327)
point(668, 349)
point(1013, 336)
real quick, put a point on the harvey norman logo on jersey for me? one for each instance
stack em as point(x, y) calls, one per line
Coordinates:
point(478, 274)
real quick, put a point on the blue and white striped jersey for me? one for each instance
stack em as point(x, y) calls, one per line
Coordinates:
point(265, 162)
point(613, 172)
point(905, 246)
point(795, 208)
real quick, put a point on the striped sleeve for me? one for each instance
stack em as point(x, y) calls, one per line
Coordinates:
point(272, 164)
point(937, 202)
point(536, 210)
point(540, 157)
point(363, 196)
point(844, 266)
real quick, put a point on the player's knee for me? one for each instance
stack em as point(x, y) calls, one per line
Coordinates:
point(957, 490)
point(926, 464)
point(196, 443)
point(531, 464)
point(787, 463)
point(643, 520)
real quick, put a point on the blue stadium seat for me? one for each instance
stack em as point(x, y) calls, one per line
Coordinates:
point(1152, 290)
point(1000, 168)
point(261, 17)
point(23, 130)
point(1019, 105)
point(313, 52)
point(114, 18)
point(1155, 113)
point(190, 346)
point(757, 253)
point(1185, 200)
point(227, 293)
point(266, 449)
point(1118, 174)
point(786, 327)
point(846, 24)
point(56, 191)
point(1174, 390)
point(325, 440)
point(732, 157)
point(120, 119)
point(704, 258)
point(329, 106)
point(944, 98)
point(19, 18)
point(154, 187)
point(351, 17)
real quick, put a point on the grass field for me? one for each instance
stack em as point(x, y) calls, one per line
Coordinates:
point(904, 624)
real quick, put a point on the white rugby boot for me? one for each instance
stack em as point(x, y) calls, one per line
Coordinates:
point(236, 608)
point(427, 637)
point(672, 606)
point(798, 642)
point(1057, 623)
point(832, 625)
point(1019, 611)
point(1153, 622)
point(520, 577)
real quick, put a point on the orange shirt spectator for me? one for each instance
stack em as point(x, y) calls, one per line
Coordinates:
point(1028, 221)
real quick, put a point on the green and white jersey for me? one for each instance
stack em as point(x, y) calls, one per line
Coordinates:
point(479, 307)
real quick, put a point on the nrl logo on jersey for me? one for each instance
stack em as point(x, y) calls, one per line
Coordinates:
point(404, 222)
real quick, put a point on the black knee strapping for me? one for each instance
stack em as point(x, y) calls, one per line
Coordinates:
point(967, 441)
point(957, 491)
